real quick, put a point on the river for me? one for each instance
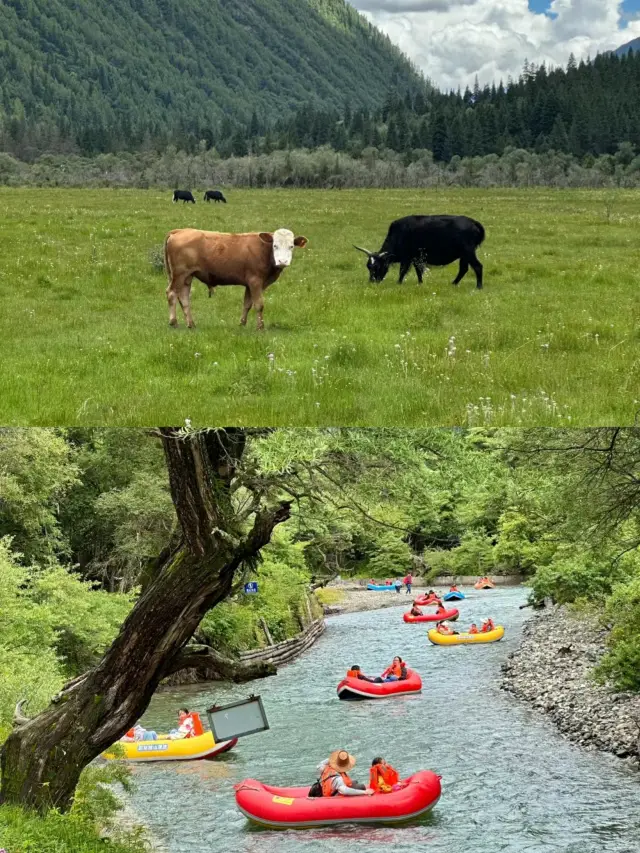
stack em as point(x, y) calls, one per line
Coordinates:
point(509, 780)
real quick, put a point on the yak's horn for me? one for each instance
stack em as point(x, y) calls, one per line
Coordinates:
point(18, 717)
point(366, 251)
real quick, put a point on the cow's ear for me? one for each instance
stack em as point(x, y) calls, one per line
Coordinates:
point(266, 237)
point(300, 242)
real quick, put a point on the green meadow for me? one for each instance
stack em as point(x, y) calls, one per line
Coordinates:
point(553, 339)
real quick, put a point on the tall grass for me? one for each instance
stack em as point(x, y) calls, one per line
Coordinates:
point(552, 339)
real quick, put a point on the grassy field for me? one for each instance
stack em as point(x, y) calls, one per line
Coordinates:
point(552, 339)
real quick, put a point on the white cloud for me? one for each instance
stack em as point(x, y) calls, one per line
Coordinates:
point(452, 41)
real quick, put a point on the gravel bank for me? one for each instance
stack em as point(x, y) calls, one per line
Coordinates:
point(552, 670)
point(356, 599)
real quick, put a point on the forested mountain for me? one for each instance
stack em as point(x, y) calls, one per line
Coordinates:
point(628, 47)
point(105, 75)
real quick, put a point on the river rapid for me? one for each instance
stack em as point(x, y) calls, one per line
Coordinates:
point(509, 780)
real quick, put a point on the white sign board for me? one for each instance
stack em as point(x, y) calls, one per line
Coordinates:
point(238, 719)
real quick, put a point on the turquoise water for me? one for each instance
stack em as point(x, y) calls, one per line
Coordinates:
point(509, 781)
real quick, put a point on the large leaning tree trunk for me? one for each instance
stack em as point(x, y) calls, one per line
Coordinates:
point(42, 759)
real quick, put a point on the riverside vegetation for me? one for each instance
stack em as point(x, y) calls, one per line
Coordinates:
point(558, 506)
point(550, 340)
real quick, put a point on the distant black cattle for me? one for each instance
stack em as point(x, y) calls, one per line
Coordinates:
point(184, 196)
point(428, 241)
point(214, 195)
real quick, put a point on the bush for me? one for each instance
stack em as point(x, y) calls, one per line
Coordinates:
point(621, 665)
point(235, 625)
point(329, 596)
point(574, 574)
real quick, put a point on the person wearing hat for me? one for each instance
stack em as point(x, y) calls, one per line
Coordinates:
point(334, 778)
point(487, 625)
point(445, 628)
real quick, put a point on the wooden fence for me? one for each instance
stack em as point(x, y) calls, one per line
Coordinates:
point(288, 650)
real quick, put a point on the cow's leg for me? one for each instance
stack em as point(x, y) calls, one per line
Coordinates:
point(258, 304)
point(248, 302)
point(256, 292)
point(419, 268)
point(172, 299)
point(404, 269)
point(184, 295)
point(476, 266)
point(464, 269)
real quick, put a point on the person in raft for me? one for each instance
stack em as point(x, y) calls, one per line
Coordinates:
point(454, 588)
point(440, 609)
point(356, 672)
point(383, 779)
point(445, 628)
point(487, 625)
point(334, 778)
point(415, 610)
point(396, 672)
point(186, 727)
point(138, 733)
point(473, 629)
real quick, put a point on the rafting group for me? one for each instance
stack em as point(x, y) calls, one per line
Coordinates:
point(443, 632)
point(334, 798)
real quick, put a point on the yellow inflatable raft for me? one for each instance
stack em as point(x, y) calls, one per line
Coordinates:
point(439, 639)
point(165, 749)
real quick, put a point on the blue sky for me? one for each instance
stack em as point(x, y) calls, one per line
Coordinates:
point(628, 7)
point(453, 41)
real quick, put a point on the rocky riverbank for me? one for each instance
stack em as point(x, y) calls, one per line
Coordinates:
point(356, 599)
point(553, 671)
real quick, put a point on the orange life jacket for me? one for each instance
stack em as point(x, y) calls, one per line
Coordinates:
point(198, 728)
point(326, 780)
point(443, 630)
point(473, 629)
point(131, 733)
point(382, 777)
point(394, 669)
point(352, 673)
point(453, 588)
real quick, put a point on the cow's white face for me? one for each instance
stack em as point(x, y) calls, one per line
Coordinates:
point(283, 247)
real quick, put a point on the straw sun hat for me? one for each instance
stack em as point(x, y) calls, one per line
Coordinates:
point(341, 761)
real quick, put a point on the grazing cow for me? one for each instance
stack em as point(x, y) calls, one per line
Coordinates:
point(254, 260)
point(428, 241)
point(214, 195)
point(184, 196)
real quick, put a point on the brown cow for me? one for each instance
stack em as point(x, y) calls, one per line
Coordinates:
point(253, 260)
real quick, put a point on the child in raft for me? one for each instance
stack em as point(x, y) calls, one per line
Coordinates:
point(445, 628)
point(383, 778)
point(487, 625)
point(473, 629)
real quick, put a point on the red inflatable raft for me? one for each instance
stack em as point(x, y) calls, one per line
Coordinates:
point(424, 601)
point(291, 808)
point(356, 688)
point(450, 615)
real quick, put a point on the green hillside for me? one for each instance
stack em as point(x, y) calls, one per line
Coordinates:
point(112, 74)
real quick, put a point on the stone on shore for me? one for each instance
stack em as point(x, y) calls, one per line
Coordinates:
point(553, 670)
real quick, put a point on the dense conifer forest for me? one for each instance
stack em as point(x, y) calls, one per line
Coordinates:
point(107, 75)
point(151, 80)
